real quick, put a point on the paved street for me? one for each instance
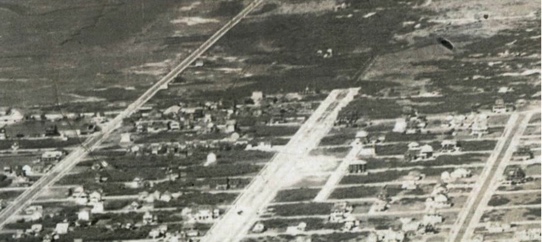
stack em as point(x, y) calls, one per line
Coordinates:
point(238, 220)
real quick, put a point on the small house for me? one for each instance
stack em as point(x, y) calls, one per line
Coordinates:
point(357, 166)
point(62, 228)
point(449, 146)
point(258, 228)
point(51, 156)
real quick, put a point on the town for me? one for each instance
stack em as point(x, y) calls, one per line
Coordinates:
point(340, 132)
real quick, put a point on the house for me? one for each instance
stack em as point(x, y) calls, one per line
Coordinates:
point(257, 97)
point(95, 197)
point(501, 107)
point(9, 116)
point(522, 154)
point(173, 110)
point(479, 128)
point(83, 215)
point(460, 173)
point(409, 185)
point(62, 228)
point(438, 201)
point(351, 224)
point(211, 158)
point(379, 205)
point(51, 156)
point(357, 166)
point(432, 219)
point(204, 215)
point(388, 235)
point(516, 175)
point(148, 218)
point(496, 227)
point(258, 228)
point(174, 125)
point(410, 225)
point(296, 229)
point(528, 234)
point(400, 125)
point(125, 138)
point(36, 228)
point(97, 207)
point(416, 152)
point(53, 116)
point(340, 211)
point(414, 176)
point(449, 146)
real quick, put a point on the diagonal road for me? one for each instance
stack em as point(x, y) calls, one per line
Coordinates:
point(237, 221)
point(474, 208)
point(94, 141)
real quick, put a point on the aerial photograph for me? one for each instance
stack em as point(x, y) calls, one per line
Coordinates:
point(270, 120)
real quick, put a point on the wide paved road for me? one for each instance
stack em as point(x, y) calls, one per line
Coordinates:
point(234, 225)
point(75, 156)
point(474, 211)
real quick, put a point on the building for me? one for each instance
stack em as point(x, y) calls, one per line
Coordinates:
point(449, 146)
point(257, 97)
point(400, 125)
point(416, 152)
point(51, 156)
point(258, 228)
point(62, 228)
point(516, 175)
point(357, 166)
point(501, 107)
point(211, 158)
point(496, 227)
point(9, 116)
point(388, 235)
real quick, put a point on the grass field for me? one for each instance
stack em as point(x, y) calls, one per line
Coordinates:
point(87, 50)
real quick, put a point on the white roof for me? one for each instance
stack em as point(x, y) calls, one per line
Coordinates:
point(427, 148)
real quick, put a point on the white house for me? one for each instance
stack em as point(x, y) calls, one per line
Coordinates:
point(10, 116)
point(62, 228)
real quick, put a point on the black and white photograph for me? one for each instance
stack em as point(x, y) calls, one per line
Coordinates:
point(270, 121)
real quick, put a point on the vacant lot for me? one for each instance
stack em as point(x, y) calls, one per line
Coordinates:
point(87, 51)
